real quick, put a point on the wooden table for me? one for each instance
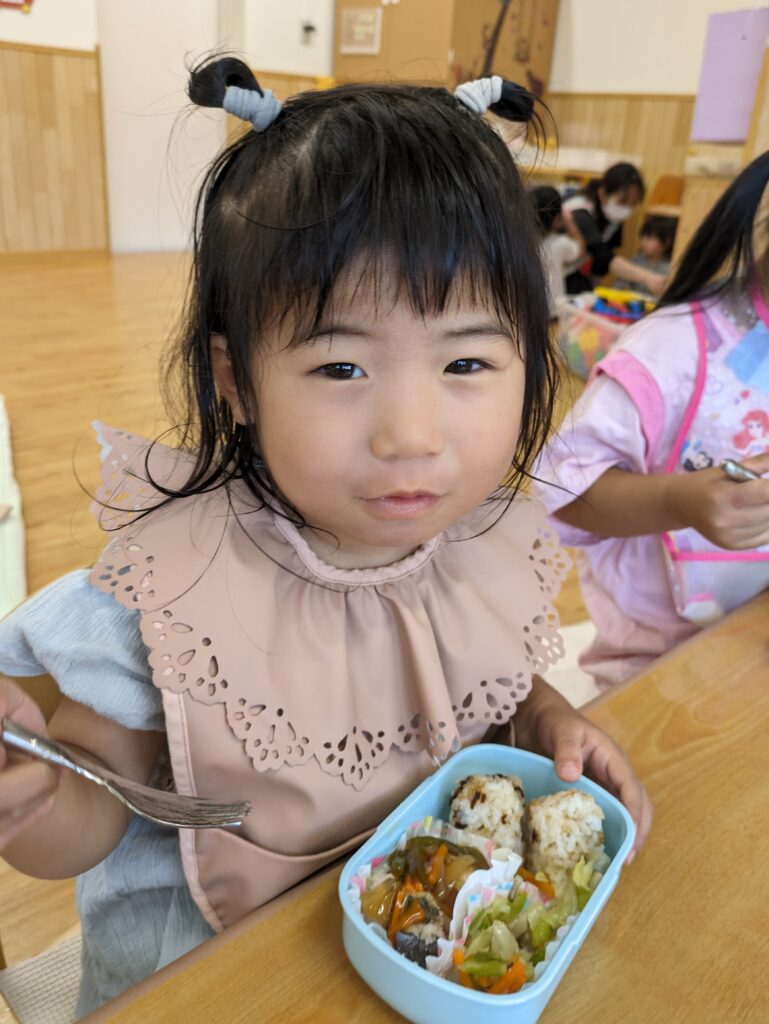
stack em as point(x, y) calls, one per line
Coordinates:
point(684, 938)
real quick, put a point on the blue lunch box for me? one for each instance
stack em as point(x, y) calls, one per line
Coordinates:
point(425, 998)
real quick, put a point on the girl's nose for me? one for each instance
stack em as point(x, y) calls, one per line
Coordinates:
point(408, 426)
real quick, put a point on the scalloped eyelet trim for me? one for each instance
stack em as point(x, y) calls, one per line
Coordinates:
point(272, 738)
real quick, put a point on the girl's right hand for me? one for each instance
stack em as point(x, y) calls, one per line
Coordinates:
point(27, 787)
point(731, 514)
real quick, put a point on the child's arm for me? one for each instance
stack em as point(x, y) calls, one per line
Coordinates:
point(629, 271)
point(547, 724)
point(57, 825)
point(623, 504)
point(574, 234)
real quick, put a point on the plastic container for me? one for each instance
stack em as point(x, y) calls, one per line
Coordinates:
point(425, 998)
point(586, 337)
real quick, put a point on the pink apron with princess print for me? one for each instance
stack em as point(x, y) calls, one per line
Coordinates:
point(727, 417)
point(321, 695)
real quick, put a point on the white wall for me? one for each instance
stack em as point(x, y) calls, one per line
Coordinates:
point(69, 24)
point(273, 35)
point(633, 46)
point(154, 156)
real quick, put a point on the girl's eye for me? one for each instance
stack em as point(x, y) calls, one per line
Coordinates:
point(467, 366)
point(340, 371)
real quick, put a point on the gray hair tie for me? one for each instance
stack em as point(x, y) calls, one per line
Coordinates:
point(479, 94)
point(249, 105)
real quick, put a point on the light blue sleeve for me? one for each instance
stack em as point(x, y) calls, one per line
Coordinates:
point(92, 647)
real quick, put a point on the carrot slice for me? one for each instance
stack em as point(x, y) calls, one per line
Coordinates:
point(511, 981)
point(437, 864)
point(546, 888)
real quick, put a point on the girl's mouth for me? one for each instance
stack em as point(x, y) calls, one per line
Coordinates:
point(402, 505)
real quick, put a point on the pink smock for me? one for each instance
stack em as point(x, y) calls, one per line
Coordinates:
point(683, 389)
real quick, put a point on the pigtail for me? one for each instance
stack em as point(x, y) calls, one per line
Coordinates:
point(515, 103)
point(520, 106)
point(510, 101)
point(228, 83)
point(210, 78)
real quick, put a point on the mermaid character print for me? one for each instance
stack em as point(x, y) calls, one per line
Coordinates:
point(753, 439)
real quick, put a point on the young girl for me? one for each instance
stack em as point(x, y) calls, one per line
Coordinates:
point(655, 247)
point(329, 592)
point(669, 542)
point(598, 213)
point(559, 250)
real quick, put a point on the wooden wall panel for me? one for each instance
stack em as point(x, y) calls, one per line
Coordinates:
point(758, 134)
point(53, 189)
point(654, 128)
point(285, 85)
point(701, 193)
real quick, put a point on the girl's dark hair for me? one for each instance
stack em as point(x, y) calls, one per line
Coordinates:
point(618, 179)
point(661, 228)
point(723, 249)
point(378, 179)
point(546, 201)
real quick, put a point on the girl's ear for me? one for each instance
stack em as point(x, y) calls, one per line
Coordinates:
point(221, 365)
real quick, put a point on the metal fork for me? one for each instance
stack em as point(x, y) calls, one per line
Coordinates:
point(737, 471)
point(154, 804)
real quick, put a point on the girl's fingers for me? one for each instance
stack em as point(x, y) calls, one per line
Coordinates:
point(27, 788)
point(27, 794)
point(635, 798)
point(567, 754)
point(758, 463)
point(622, 780)
point(24, 785)
point(752, 493)
point(749, 537)
point(19, 820)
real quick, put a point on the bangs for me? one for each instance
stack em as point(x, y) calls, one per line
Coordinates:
point(391, 191)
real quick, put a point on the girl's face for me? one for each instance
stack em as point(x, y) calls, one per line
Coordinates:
point(651, 247)
point(755, 428)
point(383, 428)
point(617, 207)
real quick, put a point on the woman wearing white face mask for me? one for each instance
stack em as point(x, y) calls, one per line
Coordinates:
point(598, 213)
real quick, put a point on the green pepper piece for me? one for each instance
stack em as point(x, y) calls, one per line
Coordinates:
point(480, 944)
point(480, 921)
point(484, 966)
point(540, 931)
point(397, 864)
point(517, 903)
point(454, 849)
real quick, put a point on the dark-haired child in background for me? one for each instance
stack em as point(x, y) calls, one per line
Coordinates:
point(562, 246)
point(655, 248)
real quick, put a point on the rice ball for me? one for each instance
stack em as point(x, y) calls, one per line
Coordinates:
point(491, 806)
point(559, 829)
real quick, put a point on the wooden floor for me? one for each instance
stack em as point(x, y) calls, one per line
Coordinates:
point(82, 338)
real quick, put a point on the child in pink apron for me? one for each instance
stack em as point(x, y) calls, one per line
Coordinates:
point(326, 592)
point(667, 543)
